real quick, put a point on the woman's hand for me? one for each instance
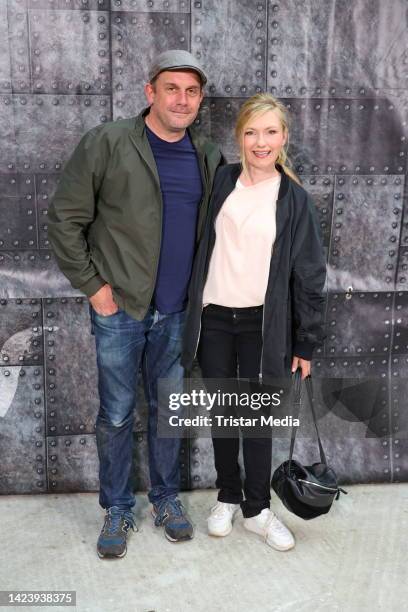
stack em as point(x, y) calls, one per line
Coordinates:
point(303, 364)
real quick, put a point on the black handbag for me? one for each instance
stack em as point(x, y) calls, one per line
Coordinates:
point(306, 490)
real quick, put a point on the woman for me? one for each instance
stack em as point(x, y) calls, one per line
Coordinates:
point(255, 300)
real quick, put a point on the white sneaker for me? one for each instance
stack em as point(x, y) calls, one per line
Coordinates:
point(267, 524)
point(220, 520)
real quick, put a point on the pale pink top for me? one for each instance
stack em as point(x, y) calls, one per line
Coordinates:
point(245, 233)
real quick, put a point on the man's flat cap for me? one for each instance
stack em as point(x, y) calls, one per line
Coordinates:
point(173, 60)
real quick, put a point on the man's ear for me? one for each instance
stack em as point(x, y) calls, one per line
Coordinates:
point(149, 92)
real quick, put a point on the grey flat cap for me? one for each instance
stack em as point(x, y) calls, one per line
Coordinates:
point(174, 59)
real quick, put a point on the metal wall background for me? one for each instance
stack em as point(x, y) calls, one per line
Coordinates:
point(341, 67)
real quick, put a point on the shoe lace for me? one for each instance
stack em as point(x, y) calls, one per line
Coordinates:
point(220, 509)
point(175, 506)
point(113, 518)
point(172, 507)
point(273, 521)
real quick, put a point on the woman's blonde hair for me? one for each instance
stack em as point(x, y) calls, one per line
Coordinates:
point(254, 107)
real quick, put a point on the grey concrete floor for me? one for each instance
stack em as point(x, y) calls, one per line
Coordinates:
point(352, 559)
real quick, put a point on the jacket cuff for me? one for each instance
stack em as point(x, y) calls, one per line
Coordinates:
point(303, 349)
point(92, 286)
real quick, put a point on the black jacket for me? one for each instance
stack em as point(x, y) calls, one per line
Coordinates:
point(294, 301)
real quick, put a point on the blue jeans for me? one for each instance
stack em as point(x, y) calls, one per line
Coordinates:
point(123, 344)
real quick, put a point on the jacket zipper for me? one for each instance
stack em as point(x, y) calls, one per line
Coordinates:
point(317, 485)
point(199, 333)
point(157, 182)
point(159, 249)
point(262, 350)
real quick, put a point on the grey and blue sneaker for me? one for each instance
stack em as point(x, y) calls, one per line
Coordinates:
point(112, 539)
point(171, 515)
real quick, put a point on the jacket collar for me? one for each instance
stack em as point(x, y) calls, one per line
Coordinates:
point(228, 184)
point(232, 174)
point(139, 139)
point(236, 169)
point(139, 128)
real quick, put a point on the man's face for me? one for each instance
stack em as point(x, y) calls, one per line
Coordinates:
point(175, 98)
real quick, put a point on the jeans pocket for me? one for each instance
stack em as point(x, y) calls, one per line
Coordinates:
point(96, 314)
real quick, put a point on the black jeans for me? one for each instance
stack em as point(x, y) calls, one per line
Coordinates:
point(231, 338)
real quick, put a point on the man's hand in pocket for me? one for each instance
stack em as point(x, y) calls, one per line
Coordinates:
point(102, 301)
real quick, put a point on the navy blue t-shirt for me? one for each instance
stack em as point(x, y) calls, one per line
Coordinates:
point(181, 187)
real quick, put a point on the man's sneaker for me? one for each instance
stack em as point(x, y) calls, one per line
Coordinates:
point(267, 524)
point(112, 539)
point(220, 520)
point(171, 515)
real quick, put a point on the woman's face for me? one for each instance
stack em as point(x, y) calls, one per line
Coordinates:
point(263, 140)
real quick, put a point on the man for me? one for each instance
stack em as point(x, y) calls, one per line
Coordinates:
point(124, 225)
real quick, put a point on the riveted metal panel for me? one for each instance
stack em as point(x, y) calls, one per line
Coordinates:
point(63, 63)
point(366, 413)
point(17, 211)
point(21, 341)
point(41, 149)
point(22, 436)
point(336, 47)
point(404, 233)
point(185, 473)
point(327, 136)
point(7, 135)
point(349, 136)
point(362, 206)
point(354, 426)
point(402, 269)
point(135, 36)
point(5, 64)
point(71, 391)
point(202, 469)
point(399, 388)
point(234, 58)
point(93, 5)
point(18, 45)
point(32, 274)
point(217, 119)
point(351, 367)
point(398, 449)
point(72, 463)
point(399, 412)
point(152, 6)
point(321, 188)
point(400, 336)
point(359, 324)
point(46, 185)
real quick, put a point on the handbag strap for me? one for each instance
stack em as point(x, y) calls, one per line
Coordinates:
point(296, 390)
point(309, 389)
point(296, 403)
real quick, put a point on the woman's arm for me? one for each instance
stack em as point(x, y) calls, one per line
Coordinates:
point(307, 281)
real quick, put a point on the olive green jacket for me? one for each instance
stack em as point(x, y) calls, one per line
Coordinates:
point(105, 221)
